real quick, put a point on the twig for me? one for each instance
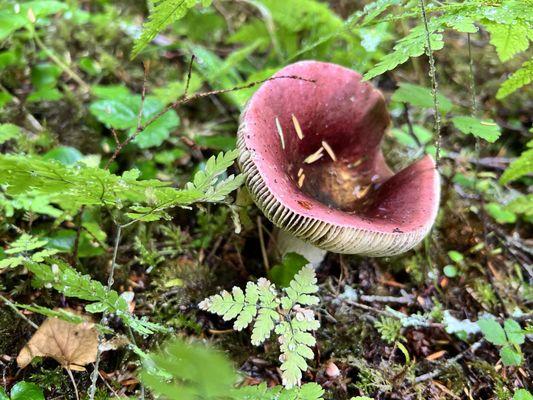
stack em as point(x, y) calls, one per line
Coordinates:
point(410, 125)
point(189, 74)
point(108, 385)
point(29, 117)
point(61, 64)
point(103, 320)
point(71, 376)
point(499, 163)
point(436, 372)
point(183, 100)
point(18, 312)
point(390, 314)
point(434, 84)
point(405, 299)
point(146, 67)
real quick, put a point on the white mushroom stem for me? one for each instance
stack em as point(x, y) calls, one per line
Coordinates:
point(288, 243)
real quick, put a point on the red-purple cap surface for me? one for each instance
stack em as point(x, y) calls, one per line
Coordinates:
point(313, 164)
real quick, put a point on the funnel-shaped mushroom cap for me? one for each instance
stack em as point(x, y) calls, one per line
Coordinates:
point(313, 164)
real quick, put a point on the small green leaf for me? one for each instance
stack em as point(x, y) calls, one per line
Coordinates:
point(282, 274)
point(420, 96)
point(492, 331)
point(510, 357)
point(8, 132)
point(455, 256)
point(450, 271)
point(114, 113)
point(500, 214)
point(509, 39)
point(523, 165)
point(521, 77)
point(522, 394)
point(64, 154)
point(26, 391)
point(513, 331)
point(484, 129)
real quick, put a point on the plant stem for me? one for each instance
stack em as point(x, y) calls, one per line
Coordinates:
point(17, 311)
point(61, 64)
point(434, 84)
point(103, 320)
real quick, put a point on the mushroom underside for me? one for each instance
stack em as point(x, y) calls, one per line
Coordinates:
point(313, 164)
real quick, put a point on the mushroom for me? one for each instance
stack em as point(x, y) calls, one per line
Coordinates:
point(311, 155)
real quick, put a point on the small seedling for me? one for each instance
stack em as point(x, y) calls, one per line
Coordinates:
point(509, 338)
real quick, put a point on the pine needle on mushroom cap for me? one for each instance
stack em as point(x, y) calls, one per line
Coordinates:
point(329, 150)
point(297, 127)
point(280, 132)
point(301, 180)
point(317, 155)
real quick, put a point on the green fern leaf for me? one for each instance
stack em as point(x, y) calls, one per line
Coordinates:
point(521, 77)
point(300, 288)
point(523, 165)
point(412, 45)
point(509, 39)
point(164, 13)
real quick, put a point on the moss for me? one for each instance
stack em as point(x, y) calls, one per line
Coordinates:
point(10, 331)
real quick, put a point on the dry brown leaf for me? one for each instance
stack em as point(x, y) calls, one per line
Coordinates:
point(72, 345)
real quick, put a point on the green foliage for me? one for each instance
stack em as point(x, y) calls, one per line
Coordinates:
point(521, 166)
point(164, 13)
point(510, 337)
point(520, 78)
point(522, 394)
point(486, 129)
point(57, 274)
point(412, 45)
point(185, 371)
point(508, 22)
point(282, 274)
point(389, 329)
point(23, 391)
point(509, 39)
point(420, 96)
point(121, 111)
point(71, 187)
point(501, 214)
point(8, 132)
point(19, 251)
point(271, 311)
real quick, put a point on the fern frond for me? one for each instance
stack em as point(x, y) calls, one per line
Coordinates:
point(521, 77)
point(301, 288)
point(164, 13)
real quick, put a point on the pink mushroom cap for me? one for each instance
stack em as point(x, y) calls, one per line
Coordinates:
point(343, 198)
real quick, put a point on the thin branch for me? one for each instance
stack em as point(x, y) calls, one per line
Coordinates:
point(61, 64)
point(434, 84)
point(410, 129)
point(405, 299)
point(103, 320)
point(183, 100)
point(146, 67)
point(436, 372)
point(71, 376)
point(18, 312)
point(189, 74)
